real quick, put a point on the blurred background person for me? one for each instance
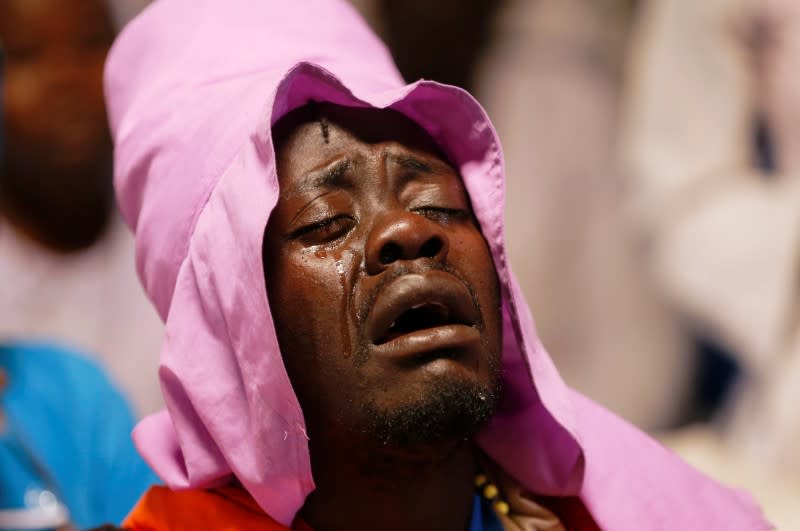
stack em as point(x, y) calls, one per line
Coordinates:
point(66, 456)
point(456, 34)
point(712, 143)
point(66, 258)
point(552, 81)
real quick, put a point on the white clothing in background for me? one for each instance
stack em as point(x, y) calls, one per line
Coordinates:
point(724, 234)
point(91, 301)
point(552, 83)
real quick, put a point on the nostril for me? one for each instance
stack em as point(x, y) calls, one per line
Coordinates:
point(431, 248)
point(389, 253)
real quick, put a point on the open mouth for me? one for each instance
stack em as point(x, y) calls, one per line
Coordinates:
point(419, 317)
point(419, 312)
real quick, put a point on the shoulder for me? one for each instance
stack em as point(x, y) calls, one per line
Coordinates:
point(69, 388)
point(41, 356)
point(183, 510)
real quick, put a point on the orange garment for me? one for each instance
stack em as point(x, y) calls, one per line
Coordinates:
point(225, 509)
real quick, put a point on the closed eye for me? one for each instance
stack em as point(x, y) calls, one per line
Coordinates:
point(325, 230)
point(442, 214)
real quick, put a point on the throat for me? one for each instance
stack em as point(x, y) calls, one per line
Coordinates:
point(425, 490)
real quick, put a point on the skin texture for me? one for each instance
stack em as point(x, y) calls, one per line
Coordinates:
point(55, 178)
point(372, 221)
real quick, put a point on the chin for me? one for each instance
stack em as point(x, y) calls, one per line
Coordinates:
point(443, 409)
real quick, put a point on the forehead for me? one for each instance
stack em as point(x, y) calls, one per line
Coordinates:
point(317, 133)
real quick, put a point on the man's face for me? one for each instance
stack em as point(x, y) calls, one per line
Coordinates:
point(53, 89)
point(381, 285)
point(57, 152)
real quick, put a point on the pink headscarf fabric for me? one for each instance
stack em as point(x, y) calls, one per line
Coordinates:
point(193, 88)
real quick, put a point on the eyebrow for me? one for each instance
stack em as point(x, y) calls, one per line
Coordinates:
point(417, 165)
point(326, 177)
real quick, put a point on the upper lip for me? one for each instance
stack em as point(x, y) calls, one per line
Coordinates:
point(440, 296)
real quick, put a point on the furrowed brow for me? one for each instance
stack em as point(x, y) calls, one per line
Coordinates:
point(333, 175)
point(418, 165)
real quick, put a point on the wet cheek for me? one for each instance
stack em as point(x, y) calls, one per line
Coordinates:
point(348, 264)
point(318, 286)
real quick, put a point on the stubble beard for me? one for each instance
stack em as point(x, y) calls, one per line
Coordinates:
point(454, 411)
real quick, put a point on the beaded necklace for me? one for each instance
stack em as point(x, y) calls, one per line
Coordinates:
point(490, 491)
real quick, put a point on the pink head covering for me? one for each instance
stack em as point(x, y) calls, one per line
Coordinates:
point(193, 88)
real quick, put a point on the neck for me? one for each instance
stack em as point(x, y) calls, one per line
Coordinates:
point(391, 489)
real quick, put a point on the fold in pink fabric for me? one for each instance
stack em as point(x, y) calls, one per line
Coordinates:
point(193, 88)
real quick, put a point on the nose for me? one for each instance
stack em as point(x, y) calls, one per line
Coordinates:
point(408, 236)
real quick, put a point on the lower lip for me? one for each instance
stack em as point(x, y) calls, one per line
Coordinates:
point(422, 342)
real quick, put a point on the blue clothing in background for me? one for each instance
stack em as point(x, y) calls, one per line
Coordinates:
point(67, 430)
